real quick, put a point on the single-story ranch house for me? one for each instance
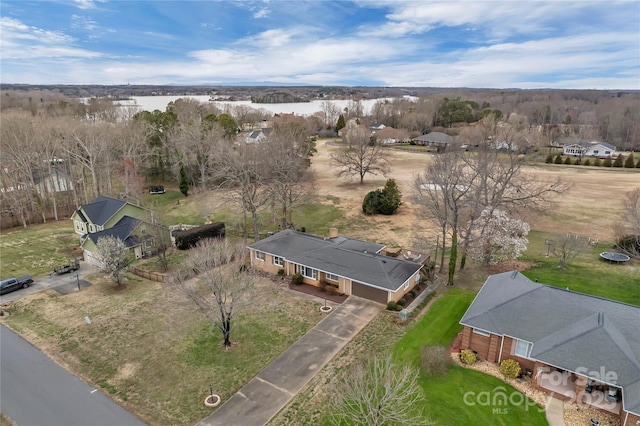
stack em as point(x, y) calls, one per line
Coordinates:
point(577, 347)
point(589, 149)
point(440, 140)
point(351, 266)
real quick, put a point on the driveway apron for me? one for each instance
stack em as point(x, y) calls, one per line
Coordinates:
point(267, 393)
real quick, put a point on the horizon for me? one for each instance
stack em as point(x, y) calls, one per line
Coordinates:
point(508, 45)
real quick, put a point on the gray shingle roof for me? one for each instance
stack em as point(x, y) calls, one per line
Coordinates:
point(100, 210)
point(122, 229)
point(347, 257)
point(568, 330)
point(436, 137)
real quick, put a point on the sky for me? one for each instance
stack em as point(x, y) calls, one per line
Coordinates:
point(484, 44)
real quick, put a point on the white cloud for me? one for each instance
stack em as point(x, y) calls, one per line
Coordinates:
point(20, 41)
point(262, 13)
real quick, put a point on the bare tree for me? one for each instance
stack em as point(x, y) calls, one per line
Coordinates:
point(113, 257)
point(380, 393)
point(213, 277)
point(330, 111)
point(627, 229)
point(439, 191)
point(567, 247)
point(362, 158)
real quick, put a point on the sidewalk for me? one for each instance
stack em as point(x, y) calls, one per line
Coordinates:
point(267, 393)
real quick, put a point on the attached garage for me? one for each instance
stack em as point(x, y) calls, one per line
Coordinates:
point(371, 293)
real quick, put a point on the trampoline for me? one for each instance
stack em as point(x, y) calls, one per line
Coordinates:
point(614, 257)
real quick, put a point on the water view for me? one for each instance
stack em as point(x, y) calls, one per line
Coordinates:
point(150, 103)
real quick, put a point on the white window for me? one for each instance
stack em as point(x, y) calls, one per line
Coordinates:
point(481, 332)
point(309, 272)
point(260, 255)
point(278, 261)
point(595, 151)
point(406, 283)
point(332, 277)
point(523, 349)
point(607, 152)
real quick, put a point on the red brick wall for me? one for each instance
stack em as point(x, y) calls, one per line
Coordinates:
point(631, 419)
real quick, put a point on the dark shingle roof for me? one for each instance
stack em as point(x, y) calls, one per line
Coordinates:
point(568, 330)
point(347, 257)
point(122, 230)
point(100, 210)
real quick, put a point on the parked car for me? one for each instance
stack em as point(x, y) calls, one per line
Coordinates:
point(10, 284)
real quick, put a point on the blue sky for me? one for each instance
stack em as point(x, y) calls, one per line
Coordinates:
point(493, 44)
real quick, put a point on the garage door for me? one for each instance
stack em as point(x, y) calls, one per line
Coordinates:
point(375, 294)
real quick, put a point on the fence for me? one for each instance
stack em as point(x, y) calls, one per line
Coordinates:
point(153, 276)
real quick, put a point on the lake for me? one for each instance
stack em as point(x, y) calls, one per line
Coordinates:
point(150, 103)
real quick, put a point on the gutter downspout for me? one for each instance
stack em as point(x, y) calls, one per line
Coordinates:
point(500, 353)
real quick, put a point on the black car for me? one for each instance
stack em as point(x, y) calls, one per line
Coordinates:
point(10, 284)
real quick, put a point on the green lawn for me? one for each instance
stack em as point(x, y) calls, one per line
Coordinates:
point(446, 395)
point(586, 273)
point(38, 249)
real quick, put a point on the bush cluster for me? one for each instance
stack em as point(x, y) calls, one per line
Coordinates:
point(393, 306)
point(297, 279)
point(435, 360)
point(189, 238)
point(510, 368)
point(469, 357)
point(384, 201)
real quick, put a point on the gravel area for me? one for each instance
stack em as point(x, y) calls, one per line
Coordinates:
point(573, 414)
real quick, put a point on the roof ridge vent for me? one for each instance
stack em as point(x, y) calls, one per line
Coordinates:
point(514, 275)
point(601, 318)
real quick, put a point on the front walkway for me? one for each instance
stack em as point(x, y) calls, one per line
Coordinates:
point(267, 393)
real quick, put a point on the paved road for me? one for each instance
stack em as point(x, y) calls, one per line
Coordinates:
point(66, 281)
point(267, 393)
point(35, 391)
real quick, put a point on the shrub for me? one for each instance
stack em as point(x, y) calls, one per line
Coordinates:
point(402, 302)
point(549, 159)
point(510, 368)
point(413, 293)
point(558, 159)
point(435, 360)
point(630, 162)
point(281, 272)
point(587, 162)
point(597, 162)
point(619, 162)
point(567, 160)
point(607, 162)
point(384, 201)
point(469, 357)
point(391, 306)
point(189, 238)
point(331, 290)
point(297, 279)
point(578, 162)
point(638, 164)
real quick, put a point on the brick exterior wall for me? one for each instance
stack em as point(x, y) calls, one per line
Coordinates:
point(628, 419)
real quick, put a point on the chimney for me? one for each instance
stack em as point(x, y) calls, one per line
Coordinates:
point(333, 232)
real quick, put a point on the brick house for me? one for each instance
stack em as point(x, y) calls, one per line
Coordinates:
point(350, 266)
point(577, 347)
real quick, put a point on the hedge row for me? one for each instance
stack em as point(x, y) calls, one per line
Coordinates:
point(189, 238)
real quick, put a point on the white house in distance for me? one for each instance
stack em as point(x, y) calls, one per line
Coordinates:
point(589, 149)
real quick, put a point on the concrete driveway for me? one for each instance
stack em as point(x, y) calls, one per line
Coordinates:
point(65, 283)
point(267, 393)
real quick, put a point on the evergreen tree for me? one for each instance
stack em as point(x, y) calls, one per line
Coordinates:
point(630, 162)
point(341, 123)
point(558, 159)
point(607, 162)
point(184, 182)
point(619, 161)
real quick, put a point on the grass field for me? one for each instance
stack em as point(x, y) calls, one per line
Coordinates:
point(38, 249)
point(445, 396)
point(586, 273)
point(151, 349)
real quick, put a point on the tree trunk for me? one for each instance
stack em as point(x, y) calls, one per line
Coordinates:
point(226, 332)
point(453, 256)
